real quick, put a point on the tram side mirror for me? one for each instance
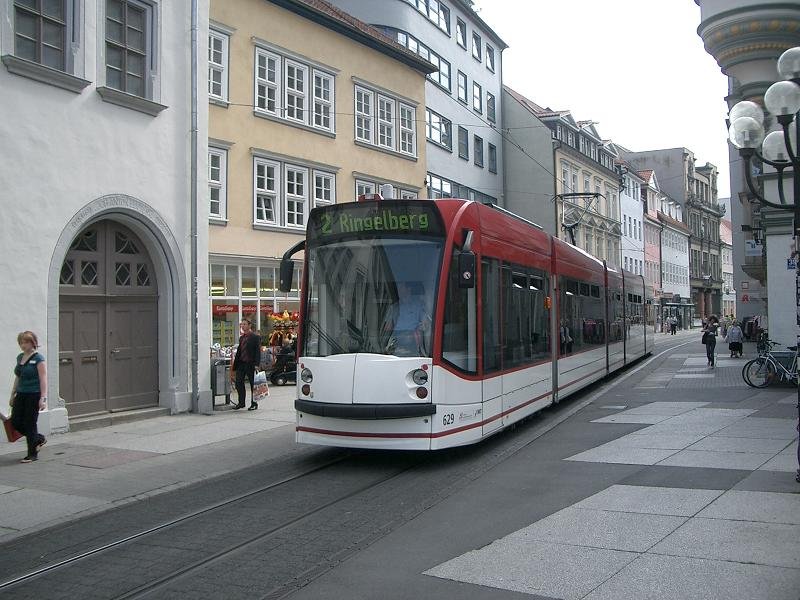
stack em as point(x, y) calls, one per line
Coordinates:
point(287, 272)
point(466, 270)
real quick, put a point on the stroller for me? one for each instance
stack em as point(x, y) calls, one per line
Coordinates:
point(285, 369)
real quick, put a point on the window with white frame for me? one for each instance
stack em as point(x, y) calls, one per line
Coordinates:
point(490, 107)
point(324, 188)
point(129, 46)
point(282, 90)
point(438, 129)
point(217, 65)
point(377, 121)
point(490, 58)
point(267, 186)
point(296, 196)
point(386, 119)
point(477, 98)
point(476, 47)
point(462, 88)
point(365, 187)
point(284, 193)
point(408, 195)
point(437, 12)
point(364, 115)
point(408, 129)
point(268, 76)
point(295, 100)
point(323, 100)
point(461, 33)
point(217, 182)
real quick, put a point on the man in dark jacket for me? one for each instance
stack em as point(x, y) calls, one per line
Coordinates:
point(248, 357)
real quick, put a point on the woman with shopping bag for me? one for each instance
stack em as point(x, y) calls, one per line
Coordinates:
point(29, 393)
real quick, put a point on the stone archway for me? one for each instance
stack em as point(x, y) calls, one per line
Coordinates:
point(158, 241)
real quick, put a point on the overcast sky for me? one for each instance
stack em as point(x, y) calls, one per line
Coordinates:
point(637, 67)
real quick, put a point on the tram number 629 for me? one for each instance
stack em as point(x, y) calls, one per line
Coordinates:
point(448, 419)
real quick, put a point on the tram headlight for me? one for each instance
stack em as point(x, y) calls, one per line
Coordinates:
point(306, 375)
point(419, 377)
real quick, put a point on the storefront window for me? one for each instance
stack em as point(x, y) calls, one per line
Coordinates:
point(250, 292)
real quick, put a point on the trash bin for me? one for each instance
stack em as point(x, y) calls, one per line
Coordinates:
point(220, 379)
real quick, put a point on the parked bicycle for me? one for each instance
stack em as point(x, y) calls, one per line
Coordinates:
point(767, 368)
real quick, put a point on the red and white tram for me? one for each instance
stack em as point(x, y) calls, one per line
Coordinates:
point(426, 325)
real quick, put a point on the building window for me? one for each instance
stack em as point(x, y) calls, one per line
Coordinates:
point(268, 72)
point(477, 98)
point(386, 111)
point(490, 107)
point(217, 184)
point(267, 180)
point(277, 77)
point(386, 120)
point(41, 32)
point(476, 47)
point(461, 33)
point(477, 144)
point(364, 115)
point(438, 187)
point(286, 203)
point(295, 100)
point(323, 101)
point(218, 65)
point(296, 196)
point(128, 39)
point(365, 187)
point(435, 11)
point(490, 58)
point(462, 88)
point(492, 158)
point(408, 130)
point(438, 129)
point(463, 143)
point(324, 189)
point(440, 77)
point(571, 138)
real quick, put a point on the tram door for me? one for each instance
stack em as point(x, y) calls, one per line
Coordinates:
point(492, 382)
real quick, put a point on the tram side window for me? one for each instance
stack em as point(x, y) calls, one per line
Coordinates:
point(459, 339)
point(524, 317)
point(490, 299)
point(583, 321)
point(615, 310)
point(635, 309)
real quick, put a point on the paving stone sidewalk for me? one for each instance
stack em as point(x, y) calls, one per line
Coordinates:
point(87, 471)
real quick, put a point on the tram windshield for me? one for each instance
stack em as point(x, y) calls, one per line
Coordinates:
point(371, 294)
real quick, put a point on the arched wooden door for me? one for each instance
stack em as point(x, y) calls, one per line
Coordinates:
point(108, 322)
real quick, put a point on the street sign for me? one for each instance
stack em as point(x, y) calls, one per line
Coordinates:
point(791, 264)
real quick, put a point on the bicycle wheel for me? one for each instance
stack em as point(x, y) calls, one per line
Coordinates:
point(758, 373)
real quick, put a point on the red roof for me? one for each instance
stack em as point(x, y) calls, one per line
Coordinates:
point(645, 174)
point(726, 231)
point(350, 22)
point(533, 107)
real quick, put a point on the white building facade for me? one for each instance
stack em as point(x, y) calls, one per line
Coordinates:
point(633, 227)
point(97, 234)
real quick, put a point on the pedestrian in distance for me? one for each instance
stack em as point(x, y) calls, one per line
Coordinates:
point(29, 393)
point(246, 359)
point(673, 325)
point(734, 339)
point(710, 338)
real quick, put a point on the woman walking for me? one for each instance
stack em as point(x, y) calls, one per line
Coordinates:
point(734, 339)
point(710, 336)
point(29, 393)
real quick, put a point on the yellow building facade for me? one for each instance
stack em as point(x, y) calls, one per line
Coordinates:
point(309, 107)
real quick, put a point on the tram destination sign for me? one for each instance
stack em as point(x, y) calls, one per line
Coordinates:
point(376, 218)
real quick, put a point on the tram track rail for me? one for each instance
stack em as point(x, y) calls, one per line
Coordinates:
point(377, 492)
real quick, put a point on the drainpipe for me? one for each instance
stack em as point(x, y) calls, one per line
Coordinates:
point(193, 219)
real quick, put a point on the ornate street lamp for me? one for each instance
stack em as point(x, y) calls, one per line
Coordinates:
point(778, 149)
